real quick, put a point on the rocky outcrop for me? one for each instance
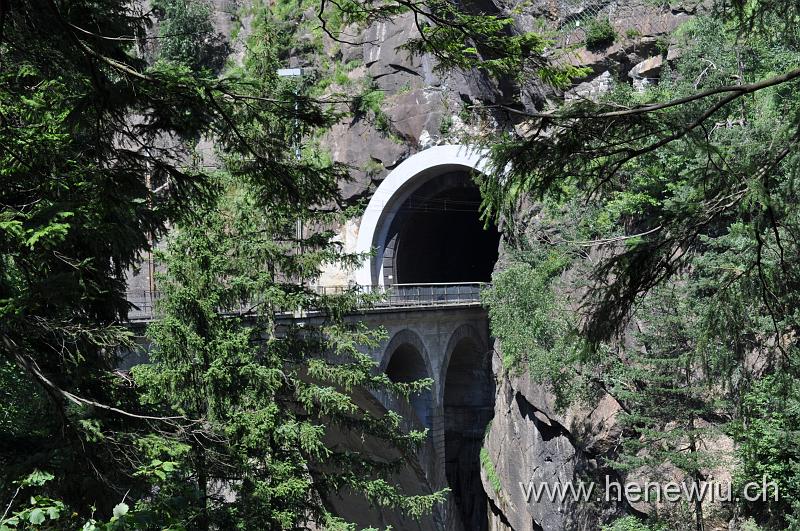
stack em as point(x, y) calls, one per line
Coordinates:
point(420, 105)
point(426, 107)
point(532, 446)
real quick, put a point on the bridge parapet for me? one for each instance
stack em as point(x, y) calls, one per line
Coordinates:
point(392, 296)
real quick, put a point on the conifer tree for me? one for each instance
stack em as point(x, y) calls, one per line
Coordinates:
point(274, 393)
point(97, 152)
point(667, 380)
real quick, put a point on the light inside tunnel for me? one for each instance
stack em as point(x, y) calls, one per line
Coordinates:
point(437, 235)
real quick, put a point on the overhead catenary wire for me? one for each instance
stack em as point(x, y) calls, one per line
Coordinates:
point(415, 204)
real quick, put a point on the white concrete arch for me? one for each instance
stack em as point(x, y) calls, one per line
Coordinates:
point(396, 188)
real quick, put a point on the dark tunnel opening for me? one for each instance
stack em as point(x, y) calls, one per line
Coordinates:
point(438, 236)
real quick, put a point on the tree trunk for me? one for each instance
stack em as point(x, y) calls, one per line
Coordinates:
point(202, 487)
point(696, 478)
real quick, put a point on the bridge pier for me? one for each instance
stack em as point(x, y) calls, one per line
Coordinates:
point(454, 343)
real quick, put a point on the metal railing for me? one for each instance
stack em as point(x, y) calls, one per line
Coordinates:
point(431, 294)
point(143, 304)
point(391, 296)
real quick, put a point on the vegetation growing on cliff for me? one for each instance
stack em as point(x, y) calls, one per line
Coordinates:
point(488, 468)
point(599, 33)
point(532, 320)
point(679, 223)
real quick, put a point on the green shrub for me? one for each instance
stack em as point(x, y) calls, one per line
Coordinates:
point(373, 167)
point(528, 318)
point(630, 523)
point(633, 33)
point(369, 104)
point(491, 473)
point(599, 34)
point(446, 124)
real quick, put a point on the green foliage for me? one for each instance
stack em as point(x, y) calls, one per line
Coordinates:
point(599, 34)
point(42, 512)
point(23, 408)
point(265, 392)
point(530, 318)
point(373, 167)
point(630, 523)
point(292, 33)
point(186, 33)
point(39, 509)
point(369, 104)
point(491, 473)
point(750, 525)
point(88, 131)
point(768, 444)
point(74, 216)
point(777, 19)
point(459, 38)
point(680, 225)
point(632, 33)
point(335, 75)
point(445, 125)
point(665, 381)
point(664, 184)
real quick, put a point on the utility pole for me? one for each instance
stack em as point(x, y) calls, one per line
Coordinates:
point(296, 73)
point(151, 266)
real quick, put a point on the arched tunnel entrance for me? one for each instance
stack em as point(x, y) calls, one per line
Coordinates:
point(407, 365)
point(468, 409)
point(437, 235)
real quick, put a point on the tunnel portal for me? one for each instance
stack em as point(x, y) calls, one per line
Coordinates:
point(437, 235)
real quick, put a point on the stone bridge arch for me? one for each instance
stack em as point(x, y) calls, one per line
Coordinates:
point(406, 359)
point(423, 222)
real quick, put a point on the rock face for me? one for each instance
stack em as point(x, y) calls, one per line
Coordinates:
point(526, 448)
point(420, 106)
point(425, 107)
point(532, 447)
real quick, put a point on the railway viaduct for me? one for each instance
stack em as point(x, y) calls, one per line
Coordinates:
point(431, 256)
